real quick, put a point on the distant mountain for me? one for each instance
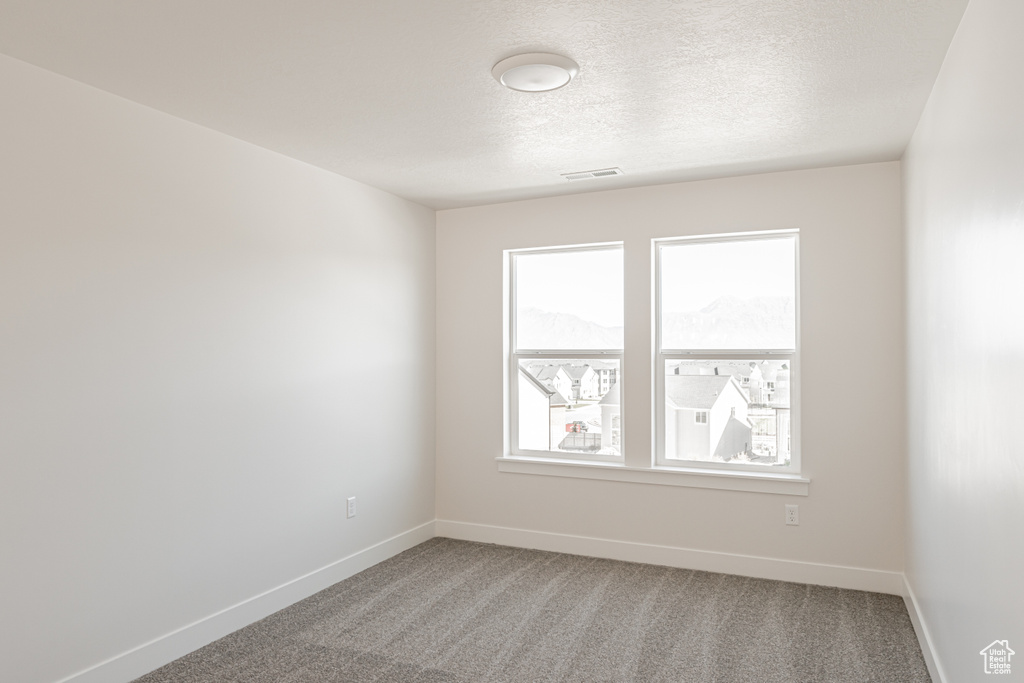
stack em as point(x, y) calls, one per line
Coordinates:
point(765, 322)
point(538, 329)
point(729, 322)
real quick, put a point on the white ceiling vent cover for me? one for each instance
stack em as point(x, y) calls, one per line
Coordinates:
point(587, 175)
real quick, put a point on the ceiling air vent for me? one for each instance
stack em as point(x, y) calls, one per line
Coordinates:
point(587, 175)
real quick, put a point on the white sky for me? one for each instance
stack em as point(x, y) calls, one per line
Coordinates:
point(694, 275)
point(587, 284)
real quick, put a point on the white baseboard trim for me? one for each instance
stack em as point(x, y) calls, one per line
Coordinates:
point(140, 660)
point(151, 655)
point(931, 659)
point(685, 558)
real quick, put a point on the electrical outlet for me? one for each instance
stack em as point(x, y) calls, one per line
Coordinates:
point(351, 508)
point(793, 515)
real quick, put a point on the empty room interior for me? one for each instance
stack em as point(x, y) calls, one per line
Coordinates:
point(622, 301)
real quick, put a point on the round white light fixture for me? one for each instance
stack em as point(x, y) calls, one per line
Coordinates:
point(535, 72)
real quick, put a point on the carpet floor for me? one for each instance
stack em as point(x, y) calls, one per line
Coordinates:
point(452, 611)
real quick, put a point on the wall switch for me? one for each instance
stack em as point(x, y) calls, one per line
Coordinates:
point(352, 508)
point(793, 515)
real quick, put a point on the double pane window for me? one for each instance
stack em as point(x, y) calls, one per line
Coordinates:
point(725, 359)
point(726, 313)
point(567, 339)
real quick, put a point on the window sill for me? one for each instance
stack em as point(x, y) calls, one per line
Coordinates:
point(757, 482)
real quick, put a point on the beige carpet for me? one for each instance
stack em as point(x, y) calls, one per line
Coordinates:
point(453, 611)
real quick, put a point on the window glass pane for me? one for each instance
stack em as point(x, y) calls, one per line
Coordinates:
point(735, 411)
point(729, 295)
point(569, 405)
point(569, 300)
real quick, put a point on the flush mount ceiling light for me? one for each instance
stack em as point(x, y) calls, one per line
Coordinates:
point(535, 72)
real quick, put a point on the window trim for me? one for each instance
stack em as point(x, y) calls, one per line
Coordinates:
point(732, 480)
point(642, 468)
point(661, 356)
point(515, 355)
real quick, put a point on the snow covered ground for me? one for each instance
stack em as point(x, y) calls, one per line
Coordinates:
point(591, 414)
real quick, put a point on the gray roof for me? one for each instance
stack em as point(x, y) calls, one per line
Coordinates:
point(546, 372)
point(697, 392)
point(576, 371)
point(557, 399)
point(742, 370)
point(554, 397)
point(534, 381)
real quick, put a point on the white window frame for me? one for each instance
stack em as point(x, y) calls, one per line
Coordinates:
point(663, 356)
point(516, 355)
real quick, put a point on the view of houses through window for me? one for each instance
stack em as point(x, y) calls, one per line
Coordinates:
point(726, 316)
point(568, 334)
point(728, 411)
point(727, 350)
point(569, 405)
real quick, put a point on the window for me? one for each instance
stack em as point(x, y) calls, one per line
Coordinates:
point(726, 317)
point(566, 339)
point(725, 362)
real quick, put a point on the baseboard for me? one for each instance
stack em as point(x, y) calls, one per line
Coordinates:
point(685, 558)
point(923, 636)
point(154, 654)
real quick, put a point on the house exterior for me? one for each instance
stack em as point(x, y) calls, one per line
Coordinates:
point(611, 426)
point(742, 374)
point(586, 384)
point(607, 376)
point(761, 386)
point(767, 384)
point(541, 414)
point(705, 418)
point(770, 431)
point(780, 397)
point(552, 376)
point(575, 381)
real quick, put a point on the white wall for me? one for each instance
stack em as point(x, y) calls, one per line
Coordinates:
point(204, 348)
point(964, 184)
point(852, 308)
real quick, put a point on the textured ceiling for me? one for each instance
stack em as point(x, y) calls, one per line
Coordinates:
point(398, 93)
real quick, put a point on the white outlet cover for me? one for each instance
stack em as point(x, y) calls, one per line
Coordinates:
point(793, 515)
